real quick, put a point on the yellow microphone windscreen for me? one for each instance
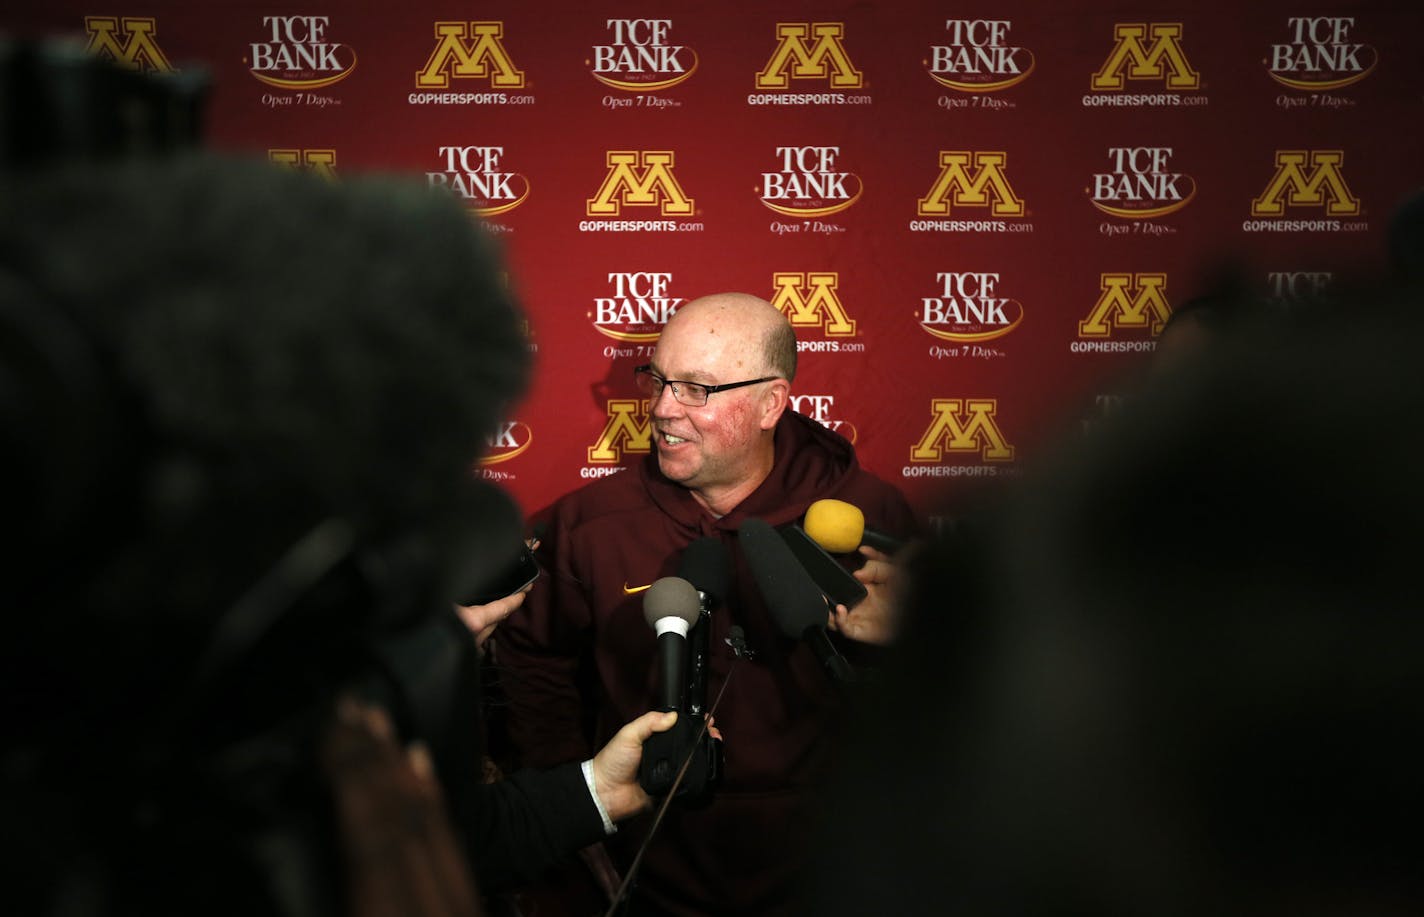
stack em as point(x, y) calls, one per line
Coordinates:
point(835, 525)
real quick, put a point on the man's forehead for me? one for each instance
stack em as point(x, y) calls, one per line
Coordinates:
point(701, 352)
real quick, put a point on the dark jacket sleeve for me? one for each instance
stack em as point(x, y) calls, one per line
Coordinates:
point(518, 827)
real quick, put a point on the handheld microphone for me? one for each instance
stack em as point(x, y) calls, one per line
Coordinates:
point(671, 607)
point(839, 527)
point(685, 762)
point(838, 583)
point(794, 599)
point(705, 565)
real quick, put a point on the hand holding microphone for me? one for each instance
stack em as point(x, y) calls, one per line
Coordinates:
point(672, 607)
point(839, 528)
point(873, 620)
point(615, 767)
point(834, 527)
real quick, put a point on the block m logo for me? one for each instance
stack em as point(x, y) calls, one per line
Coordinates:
point(1292, 186)
point(629, 429)
point(1164, 60)
point(826, 59)
point(971, 188)
point(809, 300)
point(138, 52)
point(322, 162)
point(963, 426)
point(640, 179)
point(482, 57)
point(1128, 301)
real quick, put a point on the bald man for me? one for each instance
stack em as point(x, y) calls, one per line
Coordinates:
point(580, 660)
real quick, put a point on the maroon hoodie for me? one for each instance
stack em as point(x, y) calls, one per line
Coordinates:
point(580, 662)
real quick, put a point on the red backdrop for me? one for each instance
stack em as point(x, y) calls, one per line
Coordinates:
point(976, 216)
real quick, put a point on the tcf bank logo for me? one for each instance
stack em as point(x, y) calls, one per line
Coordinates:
point(320, 162)
point(1320, 56)
point(1307, 178)
point(960, 428)
point(810, 300)
point(637, 310)
point(967, 308)
point(628, 429)
point(1289, 287)
point(1140, 184)
point(809, 51)
point(809, 182)
point(1126, 302)
point(640, 57)
point(821, 408)
point(469, 51)
point(127, 41)
point(296, 54)
point(509, 441)
point(477, 176)
point(640, 179)
point(978, 57)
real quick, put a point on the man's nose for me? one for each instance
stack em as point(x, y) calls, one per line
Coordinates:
point(665, 405)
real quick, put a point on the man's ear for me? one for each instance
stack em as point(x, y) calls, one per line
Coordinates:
point(774, 402)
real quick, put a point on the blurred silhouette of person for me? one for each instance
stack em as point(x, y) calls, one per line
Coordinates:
point(1406, 240)
point(1194, 327)
point(240, 405)
point(1221, 314)
point(1176, 672)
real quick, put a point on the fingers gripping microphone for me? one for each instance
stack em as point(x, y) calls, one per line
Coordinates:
point(794, 599)
point(671, 607)
point(839, 527)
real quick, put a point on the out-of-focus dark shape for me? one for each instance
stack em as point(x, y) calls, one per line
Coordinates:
point(238, 407)
point(59, 104)
point(1205, 326)
point(1406, 240)
point(1177, 672)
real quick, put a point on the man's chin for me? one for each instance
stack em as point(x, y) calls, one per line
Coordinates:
point(679, 472)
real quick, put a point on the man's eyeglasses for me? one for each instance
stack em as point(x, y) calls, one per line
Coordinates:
point(692, 394)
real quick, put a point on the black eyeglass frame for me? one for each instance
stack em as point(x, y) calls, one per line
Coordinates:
point(647, 368)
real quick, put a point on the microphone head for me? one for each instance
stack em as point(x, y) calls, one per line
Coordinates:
point(705, 565)
point(671, 597)
point(835, 525)
point(793, 598)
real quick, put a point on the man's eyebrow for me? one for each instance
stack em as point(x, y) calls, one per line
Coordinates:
point(701, 377)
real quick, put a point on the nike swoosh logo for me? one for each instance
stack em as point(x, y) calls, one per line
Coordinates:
point(634, 590)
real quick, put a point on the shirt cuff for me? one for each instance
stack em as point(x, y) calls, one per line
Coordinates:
point(587, 768)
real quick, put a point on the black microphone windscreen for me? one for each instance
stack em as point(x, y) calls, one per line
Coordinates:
point(705, 565)
point(793, 598)
point(671, 597)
